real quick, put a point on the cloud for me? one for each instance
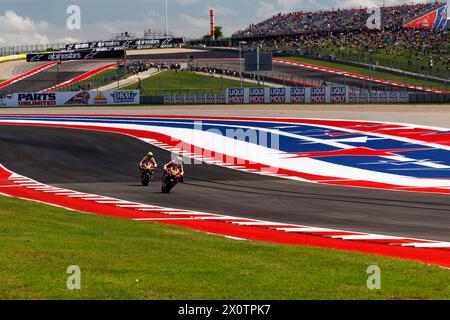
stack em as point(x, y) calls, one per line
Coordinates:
point(19, 30)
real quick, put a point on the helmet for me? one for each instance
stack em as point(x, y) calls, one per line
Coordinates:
point(150, 154)
point(178, 160)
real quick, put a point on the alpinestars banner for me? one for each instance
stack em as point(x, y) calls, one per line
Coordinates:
point(128, 44)
point(76, 55)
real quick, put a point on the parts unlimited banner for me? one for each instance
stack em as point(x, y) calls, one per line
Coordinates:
point(86, 98)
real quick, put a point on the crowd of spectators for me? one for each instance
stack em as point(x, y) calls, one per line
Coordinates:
point(342, 34)
point(136, 67)
point(393, 17)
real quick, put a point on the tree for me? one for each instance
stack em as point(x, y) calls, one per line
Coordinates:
point(219, 32)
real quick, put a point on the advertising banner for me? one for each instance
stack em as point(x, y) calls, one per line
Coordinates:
point(76, 55)
point(383, 97)
point(317, 95)
point(393, 97)
point(210, 98)
point(277, 95)
point(221, 99)
point(298, 95)
point(190, 98)
point(235, 96)
point(200, 99)
point(84, 98)
point(353, 98)
point(338, 94)
point(169, 99)
point(6, 100)
point(128, 44)
point(403, 97)
point(256, 95)
point(180, 99)
point(373, 97)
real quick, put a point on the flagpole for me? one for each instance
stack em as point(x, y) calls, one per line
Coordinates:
point(167, 19)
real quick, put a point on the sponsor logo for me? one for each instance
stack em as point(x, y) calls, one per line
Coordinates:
point(236, 95)
point(36, 99)
point(124, 96)
point(81, 98)
point(100, 98)
point(277, 95)
point(37, 57)
point(256, 95)
point(63, 56)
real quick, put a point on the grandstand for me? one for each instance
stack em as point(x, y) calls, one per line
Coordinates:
point(343, 34)
point(393, 18)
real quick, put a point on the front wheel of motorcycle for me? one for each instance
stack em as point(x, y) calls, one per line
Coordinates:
point(145, 179)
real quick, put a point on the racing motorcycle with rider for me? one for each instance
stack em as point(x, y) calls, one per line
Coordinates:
point(148, 166)
point(172, 175)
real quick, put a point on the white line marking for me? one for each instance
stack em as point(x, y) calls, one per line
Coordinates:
point(428, 245)
point(369, 237)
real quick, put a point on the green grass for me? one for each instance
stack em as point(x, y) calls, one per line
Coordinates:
point(374, 73)
point(39, 242)
point(188, 81)
point(394, 55)
point(98, 80)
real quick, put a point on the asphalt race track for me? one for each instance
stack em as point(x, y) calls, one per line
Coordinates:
point(301, 74)
point(52, 76)
point(106, 164)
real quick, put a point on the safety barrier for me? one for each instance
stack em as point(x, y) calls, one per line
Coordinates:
point(84, 98)
point(288, 95)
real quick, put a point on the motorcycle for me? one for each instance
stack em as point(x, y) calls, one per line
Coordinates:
point(170, 180)
point(147, 172)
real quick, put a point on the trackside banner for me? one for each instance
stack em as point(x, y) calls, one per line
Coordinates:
point(289, 95)
point(128, 44)
point(84, 98)
point(115, 53)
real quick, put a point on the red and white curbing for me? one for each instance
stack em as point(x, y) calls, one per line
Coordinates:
point(359, 76)
point(82, 77)
point(434, 252)
point(27, 74)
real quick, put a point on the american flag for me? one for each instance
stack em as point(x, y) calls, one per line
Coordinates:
point(441, 19)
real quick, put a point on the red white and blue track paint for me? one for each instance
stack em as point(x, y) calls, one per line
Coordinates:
point(363, 154)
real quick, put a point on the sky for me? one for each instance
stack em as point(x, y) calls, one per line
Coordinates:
point(44, 21)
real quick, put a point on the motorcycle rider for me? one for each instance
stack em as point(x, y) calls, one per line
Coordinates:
point(149, 159)
point(176, 164)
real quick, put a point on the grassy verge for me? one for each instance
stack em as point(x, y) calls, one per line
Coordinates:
point(173, 81)
point(39, 242)
point(374, 73)
point(98, 80)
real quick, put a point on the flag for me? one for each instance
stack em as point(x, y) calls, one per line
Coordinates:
point(435, 20)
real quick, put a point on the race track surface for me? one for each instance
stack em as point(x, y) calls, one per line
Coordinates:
point(301, 74)
point(52, 76)
point(106, 164)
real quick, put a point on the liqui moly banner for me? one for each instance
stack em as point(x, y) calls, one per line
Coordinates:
point(289, 96)
point(256, 95)
point(84, 98)
point(277, 95)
